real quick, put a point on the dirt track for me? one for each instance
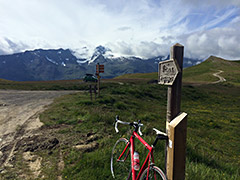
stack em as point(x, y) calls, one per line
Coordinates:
point(19, 117)
point(221, 79)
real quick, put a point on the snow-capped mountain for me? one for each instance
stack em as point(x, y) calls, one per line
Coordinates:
point(67, 64)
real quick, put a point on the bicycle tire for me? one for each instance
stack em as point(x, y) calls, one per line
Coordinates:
point(153, 171)
point(121, 169)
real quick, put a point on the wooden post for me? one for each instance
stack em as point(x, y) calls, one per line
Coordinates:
point(98, 76)
point(98, 86)
point(174, 91)
point(99, 69)
point(176, 150)
point(95, 89)
point(90, 91)
point(176, 147)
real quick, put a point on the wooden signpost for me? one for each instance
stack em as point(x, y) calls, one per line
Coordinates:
point(90, 91)
point(99, 69)
point(170, 73)
point(176, 150)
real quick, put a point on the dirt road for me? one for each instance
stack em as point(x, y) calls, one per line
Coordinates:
point(221, 79)
point(19, 117)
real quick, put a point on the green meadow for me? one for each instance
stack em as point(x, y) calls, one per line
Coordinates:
point(212, 134)
point(86, 132)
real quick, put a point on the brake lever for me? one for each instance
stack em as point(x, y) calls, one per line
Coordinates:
point(116, 129)
point(139, 131)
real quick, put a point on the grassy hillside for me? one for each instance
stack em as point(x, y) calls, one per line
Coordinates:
point(138, 76)
point(203, 72)
point(4, 81)
point(212, 124)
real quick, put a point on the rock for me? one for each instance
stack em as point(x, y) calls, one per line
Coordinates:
point(2, 171)
point(89, 134)
point(52, 143)
point(92, 138)
point(87, 147)
point(28, 156)
point(34, 163)
point(47, 144)
point(8, 165)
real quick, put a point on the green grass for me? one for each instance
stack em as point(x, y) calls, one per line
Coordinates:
point(213, 121)
point(138, 75)
point(202, 73)
point(212, 138)
point(44, 85)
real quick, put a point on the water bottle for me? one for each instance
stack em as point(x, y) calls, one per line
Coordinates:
point(136, 164)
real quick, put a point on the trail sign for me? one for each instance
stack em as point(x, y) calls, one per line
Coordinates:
point(99, 68)
point(168, 71)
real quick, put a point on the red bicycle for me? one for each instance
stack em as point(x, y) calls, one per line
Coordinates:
point(125, 161)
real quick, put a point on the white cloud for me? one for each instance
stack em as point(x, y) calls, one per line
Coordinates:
point(144, 28)
point(7, 46)
point(216, 3)
point(144, 49)
point(223, 42)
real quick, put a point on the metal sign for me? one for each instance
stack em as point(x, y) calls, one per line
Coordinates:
point(167, 72)
point(99, 69)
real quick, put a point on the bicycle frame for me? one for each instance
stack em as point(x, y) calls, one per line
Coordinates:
point(132, 148)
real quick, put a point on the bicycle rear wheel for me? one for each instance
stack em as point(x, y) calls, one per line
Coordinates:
point(155, 173)
point(121, 168)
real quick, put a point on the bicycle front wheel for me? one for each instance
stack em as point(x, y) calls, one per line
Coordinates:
point(121, 166)
point(155, 173)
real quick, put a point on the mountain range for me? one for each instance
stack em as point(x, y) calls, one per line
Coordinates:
point(59, 64)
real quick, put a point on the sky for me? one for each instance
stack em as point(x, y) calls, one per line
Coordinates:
point(144, 28)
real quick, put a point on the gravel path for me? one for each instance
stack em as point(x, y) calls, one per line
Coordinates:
point(19, 116)
point(221, 79)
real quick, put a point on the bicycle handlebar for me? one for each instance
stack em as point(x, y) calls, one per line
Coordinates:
point(160, 132)
point(160, 135)
point(137, 125)
point(121, 122)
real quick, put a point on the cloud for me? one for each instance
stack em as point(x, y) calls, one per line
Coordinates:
point(223, 42)
point(144, 49)
point(124, 28)
point(7, 46)
point(144, 28)
point(215, 3)
point(220, 41)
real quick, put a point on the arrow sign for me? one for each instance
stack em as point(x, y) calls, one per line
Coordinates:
point(99, 68)
point(167, 72)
